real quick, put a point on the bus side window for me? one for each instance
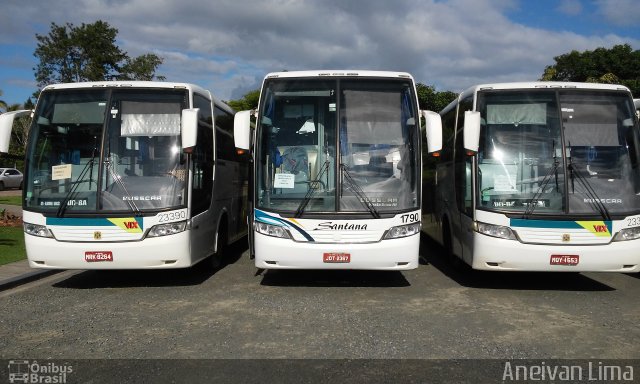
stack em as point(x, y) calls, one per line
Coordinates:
point(203, 158)
point(463, 177)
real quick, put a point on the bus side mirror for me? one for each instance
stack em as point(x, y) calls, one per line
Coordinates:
point(471, 131)
point(242, 130)
point(189, 127)
point(433, 130)
point(6, 125)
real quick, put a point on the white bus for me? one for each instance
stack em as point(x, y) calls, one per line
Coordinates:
point(337, 170)
point(128, 175)
point(538, 176)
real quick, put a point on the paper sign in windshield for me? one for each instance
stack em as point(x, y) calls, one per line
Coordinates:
point(61, 172)
point(284, 180)
point(504, 183)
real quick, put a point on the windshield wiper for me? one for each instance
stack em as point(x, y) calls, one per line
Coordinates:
point(532, 204)
point(362, 197)
point(313, 187)
point(118, 180)
point(591, 193)
point(74, 187)
point(87, 168)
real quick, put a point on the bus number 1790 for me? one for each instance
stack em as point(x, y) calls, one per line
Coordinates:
point(410, 218)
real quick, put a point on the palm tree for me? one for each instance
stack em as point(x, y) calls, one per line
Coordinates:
point(3, 104)
point(20, 127)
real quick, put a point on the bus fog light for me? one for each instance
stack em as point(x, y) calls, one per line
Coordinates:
point(628, 234)
point(495, 231)
point(272, 230)
point(402, 231)
point(167, 229)
point(37, 230)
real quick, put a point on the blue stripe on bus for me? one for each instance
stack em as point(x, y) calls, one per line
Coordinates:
point(268, 219)
point(552, 224)
point(85, 222)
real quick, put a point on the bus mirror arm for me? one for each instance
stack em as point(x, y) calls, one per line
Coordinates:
point(433, 131)
point(189, 128)
point(471, 131)
point(242, 129)
point(6, 125)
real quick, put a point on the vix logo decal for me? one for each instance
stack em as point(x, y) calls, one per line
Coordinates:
point(129, 224)
point(598, 228)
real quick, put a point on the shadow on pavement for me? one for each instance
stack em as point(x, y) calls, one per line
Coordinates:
point(334, 278)
point(432, 253)
point(636, 275)
point(195, 275)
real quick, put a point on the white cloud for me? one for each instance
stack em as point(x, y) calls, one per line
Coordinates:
point(620, 12)
point(228, 45)
point(570, 7)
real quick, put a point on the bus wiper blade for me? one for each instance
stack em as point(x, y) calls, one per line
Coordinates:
point(87, 167)
point(532, 204)
point(74, 187)
point(602, 209)
point(313, 187)
point(364, 199)
point(118, 180)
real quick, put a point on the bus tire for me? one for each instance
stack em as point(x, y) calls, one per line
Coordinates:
point(447, 242)
point(221, 244)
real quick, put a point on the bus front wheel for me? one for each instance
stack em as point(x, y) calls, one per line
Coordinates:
point(221, 245)
point(447, 242)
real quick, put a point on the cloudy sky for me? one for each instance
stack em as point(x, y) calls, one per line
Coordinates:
point(228, 46)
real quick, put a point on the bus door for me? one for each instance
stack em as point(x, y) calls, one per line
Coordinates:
point(463, 176)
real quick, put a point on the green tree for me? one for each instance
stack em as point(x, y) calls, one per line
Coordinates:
point(432, 100)
point(248, 101)
point(617, 65)
point(141, 68)
point(88, 53)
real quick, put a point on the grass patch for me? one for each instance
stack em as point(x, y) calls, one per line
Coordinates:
point(12, 245)
point(11, 200)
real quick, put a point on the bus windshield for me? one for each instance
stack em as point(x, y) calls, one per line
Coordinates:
point(558, 152)
point(338, 146)
point(100, 150)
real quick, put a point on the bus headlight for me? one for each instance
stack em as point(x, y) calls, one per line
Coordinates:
point(272, 230)
point(402, 231)
point(628, 234)
point(167, 229)
point(36, 230)
point(495, 231)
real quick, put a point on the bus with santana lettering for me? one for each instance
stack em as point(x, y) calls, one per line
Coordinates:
point(337, 170)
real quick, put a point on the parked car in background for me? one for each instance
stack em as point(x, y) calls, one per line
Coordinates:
point(10, 178)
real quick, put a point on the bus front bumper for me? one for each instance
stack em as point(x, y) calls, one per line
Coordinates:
point(392, 255)
point(166, 252)
point(490, 253)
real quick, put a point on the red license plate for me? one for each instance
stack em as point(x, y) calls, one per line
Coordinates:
point(336, 257)
point(564, 260)
point(95, 256)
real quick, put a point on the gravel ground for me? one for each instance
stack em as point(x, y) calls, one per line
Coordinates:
point(429, 313)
